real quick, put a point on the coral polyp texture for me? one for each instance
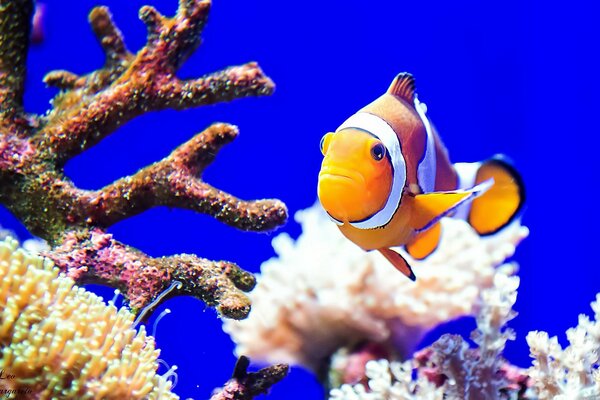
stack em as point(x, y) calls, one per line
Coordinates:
point(325, 301)
point(34, 150)
point(570, 373)
point(62, 342)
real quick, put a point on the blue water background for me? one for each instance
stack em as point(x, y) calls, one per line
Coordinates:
point(513, 77)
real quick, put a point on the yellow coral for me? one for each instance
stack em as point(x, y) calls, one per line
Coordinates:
point(61, 341)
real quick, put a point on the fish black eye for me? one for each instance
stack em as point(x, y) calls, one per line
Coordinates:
point(378, 152)
point(322, 145)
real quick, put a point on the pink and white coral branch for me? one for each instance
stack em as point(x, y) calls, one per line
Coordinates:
point(449, 369)
point(390, 381)
point(470, 374)
point(572, 372)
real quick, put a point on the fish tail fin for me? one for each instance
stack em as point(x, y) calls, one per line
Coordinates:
point(399, 262)
point(503, 202)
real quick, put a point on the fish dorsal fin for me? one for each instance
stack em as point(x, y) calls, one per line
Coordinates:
point(429, 208)
point(403, 86)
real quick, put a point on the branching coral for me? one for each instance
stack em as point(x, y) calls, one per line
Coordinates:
point(478, 374)
point(34, 149)
point(324, 294)
point(449, 369)
point(245, 386)
point(390, 381)
point(570, 373)
point(60, 341)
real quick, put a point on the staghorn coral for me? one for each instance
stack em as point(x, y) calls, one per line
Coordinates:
point(449, 369)
point(34, 150)
point(61, 341)
point(570, 373)
point(325, 297)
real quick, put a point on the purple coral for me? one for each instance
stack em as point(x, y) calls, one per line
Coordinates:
point(34, 150)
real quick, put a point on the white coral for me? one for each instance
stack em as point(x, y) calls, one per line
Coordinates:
point(477, 376)
point(390, 381)
point(572, 373)
point(469, 374)
point(323, 292)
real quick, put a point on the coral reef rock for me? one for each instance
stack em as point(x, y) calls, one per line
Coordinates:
point(322, 293)
point(35, 148)
point(245, 385)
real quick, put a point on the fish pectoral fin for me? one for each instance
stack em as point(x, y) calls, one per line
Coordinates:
point(425, 242)
point(429, 208)
point(399, 262)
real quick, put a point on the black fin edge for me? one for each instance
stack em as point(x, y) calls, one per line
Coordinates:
point(412, 275)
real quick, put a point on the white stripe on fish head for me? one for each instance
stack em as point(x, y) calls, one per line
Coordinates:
point(384, 132)
point(426, 171)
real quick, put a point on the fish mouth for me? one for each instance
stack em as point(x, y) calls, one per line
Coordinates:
point(338, 190)
point(342, 174)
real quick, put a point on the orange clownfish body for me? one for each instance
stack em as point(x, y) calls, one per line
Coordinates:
point(386, 180)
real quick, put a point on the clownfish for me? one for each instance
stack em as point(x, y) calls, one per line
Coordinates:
point(386, 180)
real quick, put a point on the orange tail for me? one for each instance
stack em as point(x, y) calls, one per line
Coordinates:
point(504, 201)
